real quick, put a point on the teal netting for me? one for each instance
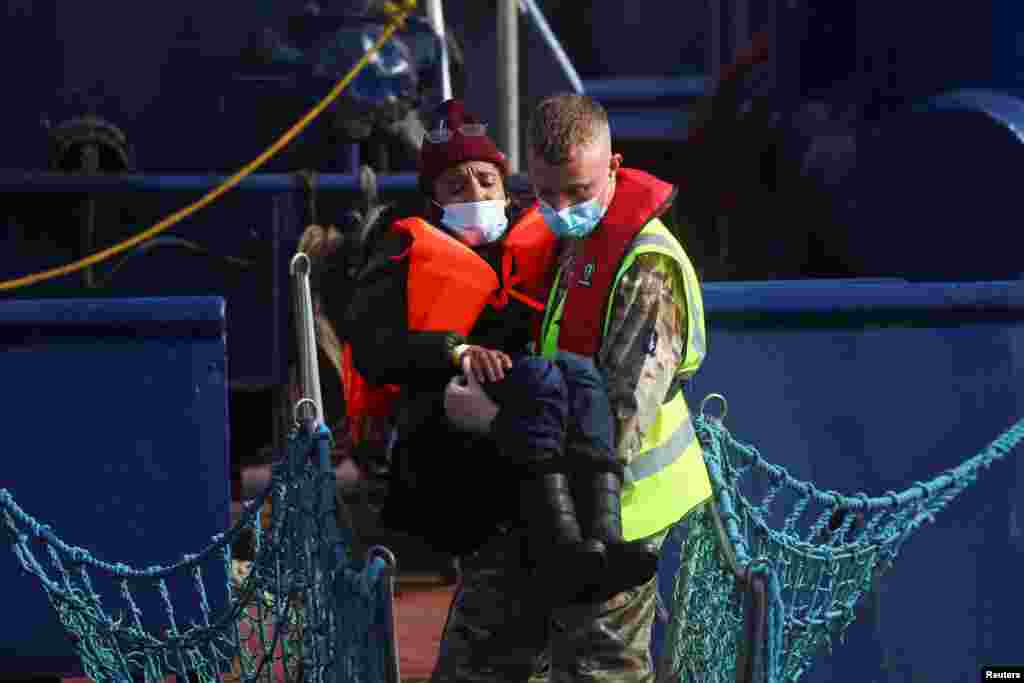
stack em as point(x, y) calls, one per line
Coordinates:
point(763, 587)
point(302, 609)
point(766, 585)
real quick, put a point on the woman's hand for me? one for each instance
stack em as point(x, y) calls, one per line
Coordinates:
point(466, 404)
point(486, 364)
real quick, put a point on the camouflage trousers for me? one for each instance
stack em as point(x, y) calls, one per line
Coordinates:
point(494, 633)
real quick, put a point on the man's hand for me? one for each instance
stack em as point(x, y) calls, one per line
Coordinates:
point(487, 364)
point(466, 404)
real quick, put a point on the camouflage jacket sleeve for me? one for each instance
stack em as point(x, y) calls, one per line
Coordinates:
point(643, 346)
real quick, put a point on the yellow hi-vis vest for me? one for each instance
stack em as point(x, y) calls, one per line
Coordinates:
point(668, 477)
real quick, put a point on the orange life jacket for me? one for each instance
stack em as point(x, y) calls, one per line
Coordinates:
point(639, 198)
point(449, 285)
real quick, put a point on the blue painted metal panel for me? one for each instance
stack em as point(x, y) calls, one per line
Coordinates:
point(1008, 45)
point(260, 225)
point(612, 90)
point(871, 387)
point(262, 229)
point(647, 108)
point(934, 191)
point(15, 180)
point(649, 124)
point(116, 436)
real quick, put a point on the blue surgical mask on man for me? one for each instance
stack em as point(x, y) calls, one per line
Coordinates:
point(476, 223)
point(576, 221)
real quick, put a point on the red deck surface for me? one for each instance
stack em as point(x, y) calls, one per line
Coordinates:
point(420, 615)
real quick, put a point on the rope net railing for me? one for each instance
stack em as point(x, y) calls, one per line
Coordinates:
point(773, 569)
point(302, 609)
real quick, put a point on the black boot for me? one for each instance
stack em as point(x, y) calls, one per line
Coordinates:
point(566, 565)
point(629, 564)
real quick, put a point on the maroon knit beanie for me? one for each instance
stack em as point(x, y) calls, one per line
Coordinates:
point(436, 158)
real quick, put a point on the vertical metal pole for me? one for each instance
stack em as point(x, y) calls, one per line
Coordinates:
point(790, 33)
point(508, 81)
point(353, 158)
point(285, 218)
point(381, 159)
point(91, 166)
point(89, 240)
point(770, 25)
point(714, 44)
point(740, 26)
point(392, 673)
point(435, 14)
point(309, 370)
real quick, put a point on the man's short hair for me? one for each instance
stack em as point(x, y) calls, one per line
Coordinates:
point(562, 122)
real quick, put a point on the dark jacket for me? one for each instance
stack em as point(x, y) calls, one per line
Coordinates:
point(431, 460)
point(384, 350)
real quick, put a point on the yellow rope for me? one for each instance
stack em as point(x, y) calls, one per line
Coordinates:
point(398, 11)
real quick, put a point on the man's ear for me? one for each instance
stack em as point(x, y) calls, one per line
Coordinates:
point(615, 163)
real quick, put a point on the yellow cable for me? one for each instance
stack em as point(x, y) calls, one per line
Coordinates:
point(398, 11)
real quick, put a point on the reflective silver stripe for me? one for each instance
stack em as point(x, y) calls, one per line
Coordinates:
point(698, 341)
point(649, 463)
point(697, 344)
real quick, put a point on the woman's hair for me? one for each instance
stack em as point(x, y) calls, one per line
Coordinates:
point(319, 243)
point(323, 247)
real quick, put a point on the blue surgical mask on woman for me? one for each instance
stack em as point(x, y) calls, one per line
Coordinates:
point(476, 223)
point(578, 220)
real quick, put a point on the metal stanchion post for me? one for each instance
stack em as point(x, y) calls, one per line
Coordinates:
point(435, 13)
point(508, 81)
